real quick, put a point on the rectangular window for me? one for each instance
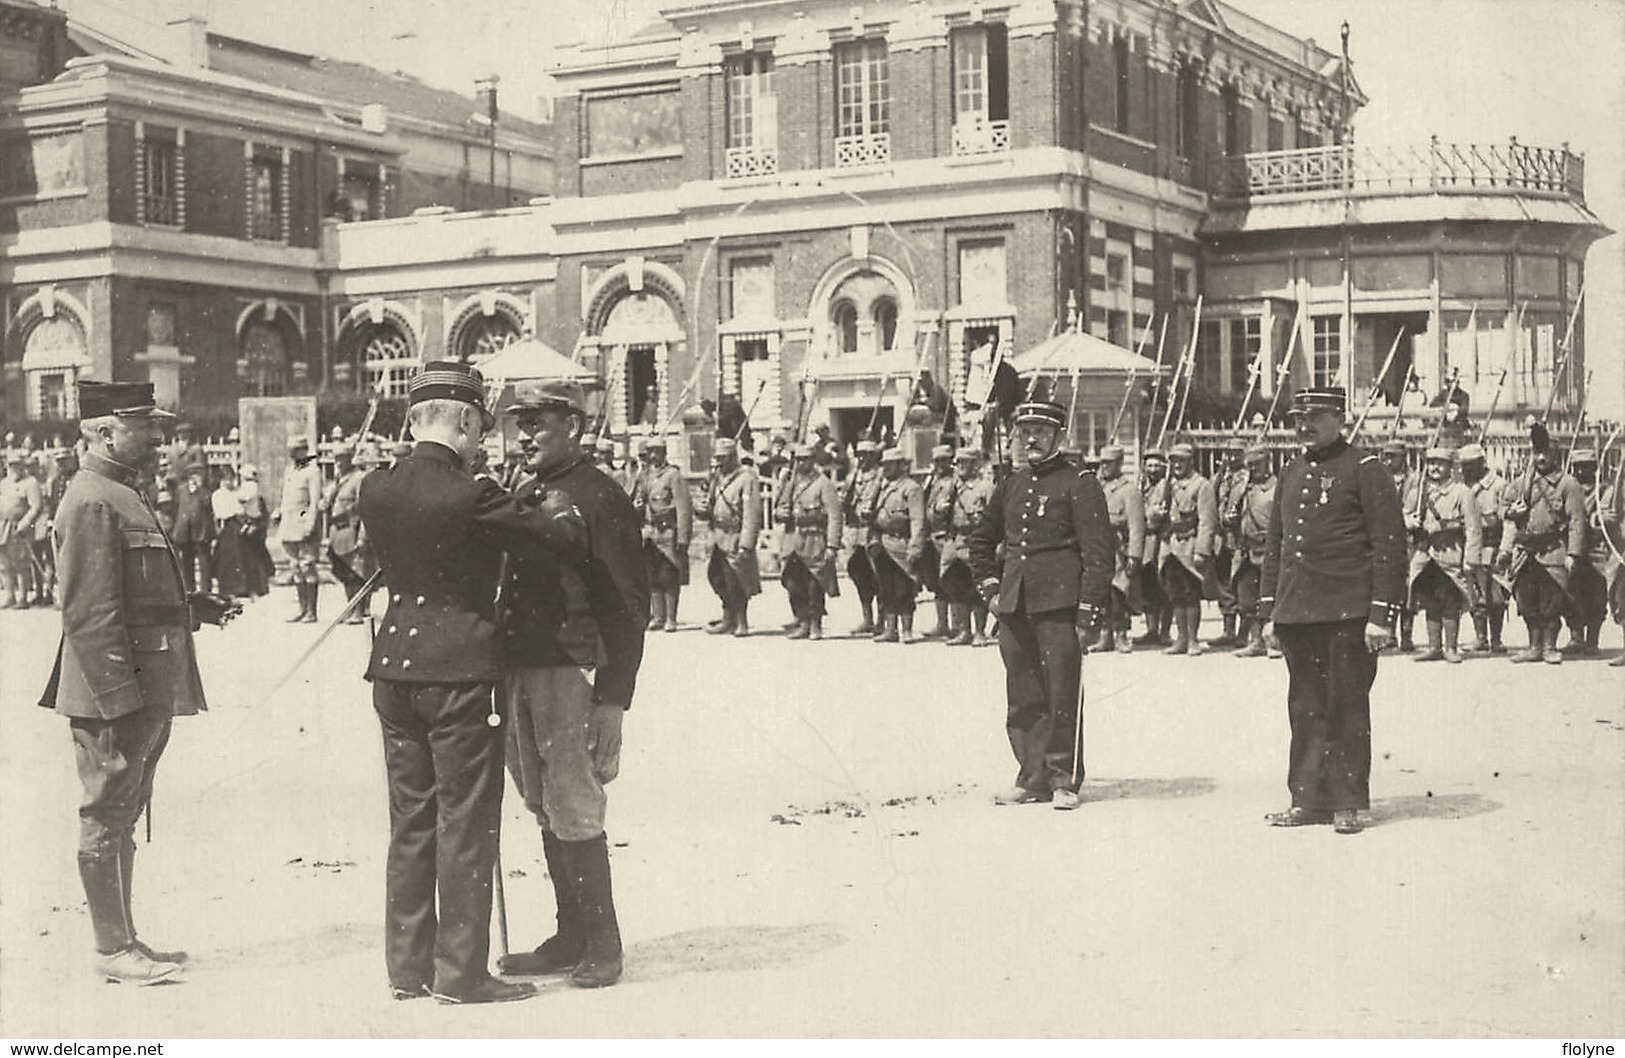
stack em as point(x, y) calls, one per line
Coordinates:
point(982, 274)
point(751, 281)
point(265, 197)
point(752, 107)
point(1210, 356)
point(1120, 79)
point(641, 123)
point(1328, 350)
point(1277, 135)
point(359, 196)
point(1182, 282)
point(1232, 122)
point(159, 204)
point(1185, 126)
point(1116, 271)
point(862, 89)
point(1117, 327)
point(53, 394)
point(981, 73)
point(1246, 340)
point(160, 324)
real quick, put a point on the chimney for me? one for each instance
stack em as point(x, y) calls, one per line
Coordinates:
point(375, 118)
point(187, 33)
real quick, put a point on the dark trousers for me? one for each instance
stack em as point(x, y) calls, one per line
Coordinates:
point(194, 556)
point(1437, 595)
point(444, 765)
point(116, 760)
point(862, 573)
point(1043, 673)
point(663, 576)
point(805, 592)
point(344, 574)
point(725, 582)
point(894, 587)
point(1541, 600)
point(1119, 615)
point(1328, 704)
point(1223, 564)
point(1589, 593)
point(1247, 590)
point(1180, 586)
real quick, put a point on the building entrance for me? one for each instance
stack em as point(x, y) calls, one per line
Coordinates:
point(850, 425)
point(1384, 329)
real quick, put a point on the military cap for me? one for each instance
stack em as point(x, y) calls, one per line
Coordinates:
point(1182, 451)
point(1469, 452)
point(1583, 455)
point(867, 445)
point(200, 469)
point(1255, 454)
point(1156, 454)
point(724, 446)
point(183, 427)
point(967, 455)
point(1041, 411)
point(942, 451)
point(893, 455)
point(298, 444)
point(1111, 452)
point(541, 394)
point(133, 399)
point(654, 441)
point(449, 380)
point(336, 434)
point(1328, 398)
point(1394, 448)
point(1439, 455)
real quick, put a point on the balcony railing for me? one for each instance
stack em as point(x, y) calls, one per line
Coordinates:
point(852, 152)
point(746, 162)
point(1357, 170)
point(977, 135)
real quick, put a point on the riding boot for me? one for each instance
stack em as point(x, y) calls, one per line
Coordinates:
point(1434, 652)
point(313, 587)
point(671, 609)
point(126, 867)
point(942, 629)
point(1452, 634)
point(304, 602)
point(1229, 637)
point(103, 879)
point(1406, 621)
point(868, 624)
point(657, 610)
point(1536, 648)
point(563, 950)
point(1182, 642)
point(741, 621)
point(905, 628)
point(600, 963)
point(959, 621)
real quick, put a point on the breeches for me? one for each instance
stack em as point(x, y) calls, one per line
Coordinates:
point(1180, 585)
point(1435, 593)
point(895, 588)
point(116, 760)
point(1246, 582)
point(806, 593)
point(1540, 600)
point(548, 712)
point(303, 554)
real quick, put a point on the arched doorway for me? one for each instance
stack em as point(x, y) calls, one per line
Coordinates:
point(262, 362)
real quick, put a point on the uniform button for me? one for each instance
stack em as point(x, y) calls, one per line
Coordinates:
point(411, 632)
point(420, 600)
point(396, 597)
point(406, 664)
point(392, 629)
point(383, 661)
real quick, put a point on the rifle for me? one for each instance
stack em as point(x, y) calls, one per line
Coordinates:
point(745, 422)
point(1282, 370)
point(1393, 427)
point(1450, 391)
point(1189, 359)
point(1128, 389)
point(1506, 364)
point(1156, 379)
point(1254, 370)
point(1376, 386)
point(1585, 399)
point(1568, 350)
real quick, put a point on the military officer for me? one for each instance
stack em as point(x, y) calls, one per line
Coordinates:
point(1153, 491)
point(1125, 508)
point(662, 498)
point(1188, 530)
point(966, 608)
point(1250, 509)
point(735, 507)
point(1049, 586)
point(896, 554)
point(298, 526)
point(857, 513)
point(1447, 542)
point(1230, 477)
point(439, 535)
point(125, 664)
point(1588, 586)
point(1333, 579)
point(1488, 489)
point(573, 624)
point(1543, 536)
point(808, 510)
point(940, 491)
point(1396, 457)
point(347, 547)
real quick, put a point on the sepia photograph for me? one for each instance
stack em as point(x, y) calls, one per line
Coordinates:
point(804, 520)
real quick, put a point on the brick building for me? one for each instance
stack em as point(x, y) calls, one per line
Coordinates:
point(163, 200)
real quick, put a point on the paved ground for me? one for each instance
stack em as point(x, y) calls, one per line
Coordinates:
point(804, 846)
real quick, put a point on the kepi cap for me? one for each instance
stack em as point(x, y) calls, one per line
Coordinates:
point(1328, 398)
point(724, 446)
point(967, 455)
point(1469, 452)
point(893, 455)
point(1440, 455)
point(449, 380)
point(1041, 411)
point(1583, 455)
point(867, 445)
point(1111, 452)
point(1182, 451)
point(1255, 454)
point(542, 394)
point(130, 399)
point(942, 451)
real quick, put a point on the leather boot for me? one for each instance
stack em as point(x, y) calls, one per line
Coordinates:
point(1497, 622)
point(942, 629)
point(1481, 641)
point(671, 608)
point(1593, 639)
point(867, 626)
point(1536, 647)
point(959, 618)
point(304, 603)
point(312, 587)
point(657, 610)
point(600, 963)
point(888, 630)
point(563, 950)
point(103, 880)
point(1452, 633)
point(126, 865)
point(1253, 632)
point(741, 618)
point(800, 629)
point(1182, 640)
point(815, 627)
point(1434, 652)
point(1149, 639)
point(724, 624)
point(1229, 638)
point(1165, 621)
point(905, 628)
point(1550, 654)
point(1407, 621)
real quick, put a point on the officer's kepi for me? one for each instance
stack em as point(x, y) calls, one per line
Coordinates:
point(1309, 401)
point(448, 380)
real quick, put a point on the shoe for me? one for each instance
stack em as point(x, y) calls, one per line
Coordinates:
point(799, 630)
point(1125, 645)
point(1617, 663)
point(542, 961)
point(1347, 821)
point(979, 639)
point(790, 626)
point(131, 966)
point(1430, 654)
point(1299, 817)
point(1552, 656)
point(1251, 650)
point(815, 629)
point(1020, 795)
point(963, 639)
point(1064, 800)
point(490, 990)
point(179, 958)
point(401, 993)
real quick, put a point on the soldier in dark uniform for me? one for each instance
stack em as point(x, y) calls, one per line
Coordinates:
point(662, 499)
point(1249, 517)
point(1489, 495)
point(573, 622)
point(1188, 522)
point(1611, 523)
point(1446, 542)
point(1397, 459)
point(899, 521)
point(125, 665)
point(1158, 614)
point(1588, 586)
point(1333, 581)
point(808, 510)
point(940, 490)
point(439, 535)
point(1125, 508)
point(967, 609)
point(1542, 538)
point(735, 508)
point(857, 514)
point(1230, 477)
point(1049, 588)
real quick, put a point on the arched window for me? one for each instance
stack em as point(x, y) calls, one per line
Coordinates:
point(387, 359)
point(484, 336)
point(263, 364)
point(885, 316)
point(53, 355)
point(845, 318)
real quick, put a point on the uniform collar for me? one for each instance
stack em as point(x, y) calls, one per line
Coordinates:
point(1331, 451)
point(108, 467)
point(437, 452)
point(554, 471)
point(1051, 462)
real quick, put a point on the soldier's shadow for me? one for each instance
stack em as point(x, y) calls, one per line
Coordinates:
point(723, 949)
point(1147, 789)
point(1386, 810)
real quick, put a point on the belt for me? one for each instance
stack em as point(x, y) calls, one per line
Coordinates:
point(157, 614)
point(1028, 552)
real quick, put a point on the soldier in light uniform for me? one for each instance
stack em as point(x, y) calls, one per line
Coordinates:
point(1489, 495)
point(808, 509)
point(1187, 521)
point(1542, 539)
point(1230, 477)
point(735, 507)
point(1446, 544)
point(1158, 614)
point(940, 491)
point(347, 548)
point(966, 608)
point(662, 499)
point(1248, 519)
point(1396, 458)
point(899, 521)
point(298, 527)
point(1333, 578)
point(857, 512)
point(1125, 507)
point(1588, 586)
point(1611, 516)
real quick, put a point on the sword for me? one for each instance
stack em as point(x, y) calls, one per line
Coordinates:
point(353, 607)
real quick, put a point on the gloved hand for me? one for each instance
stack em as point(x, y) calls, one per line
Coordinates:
point(1377, 637)
point(207, 608)
point(1088, 626)
point(604, 740)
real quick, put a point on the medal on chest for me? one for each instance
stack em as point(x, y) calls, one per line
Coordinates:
point(1042, 501)
point(1326, 482)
